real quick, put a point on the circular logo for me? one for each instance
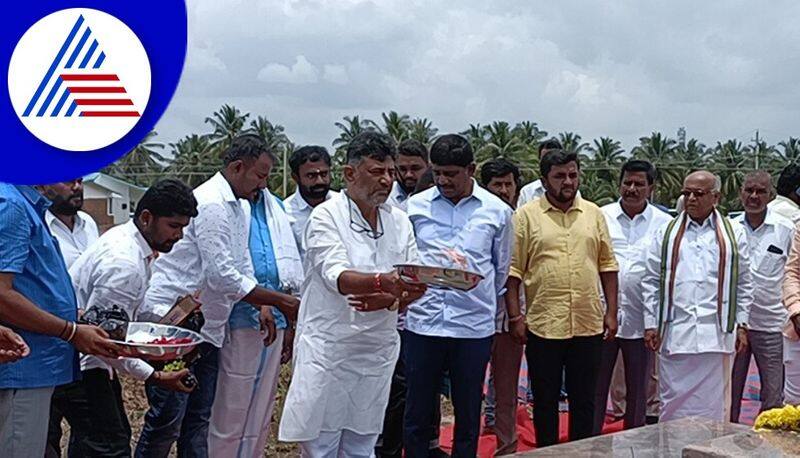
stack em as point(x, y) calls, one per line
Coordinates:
point(79, 79)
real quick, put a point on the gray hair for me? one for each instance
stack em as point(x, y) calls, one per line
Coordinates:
point(717, 183)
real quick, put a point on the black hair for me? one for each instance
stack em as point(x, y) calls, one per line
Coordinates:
point(550, 144)
point(411, 147)
point(168, 197)
point(638, 165)
point(425, 181)
point(370, 144)
point(789, 180)
point(499, 167)
point(247, 146)
point(310, 153)
point(451, 149)
point(557, 157)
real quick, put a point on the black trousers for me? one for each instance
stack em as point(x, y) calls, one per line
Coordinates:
point(426, 360)
point(95, 411)
point(635, 357)
point(548, 359)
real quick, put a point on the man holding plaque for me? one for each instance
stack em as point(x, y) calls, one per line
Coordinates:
point(460, 225)
point(347, 343)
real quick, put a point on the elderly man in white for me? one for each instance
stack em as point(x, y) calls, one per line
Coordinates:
point(347, 343)
point(697, 293)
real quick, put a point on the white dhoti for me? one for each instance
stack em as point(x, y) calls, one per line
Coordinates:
point(791, 367)
point(695, 385)
point(245, 396)
point(345, 444)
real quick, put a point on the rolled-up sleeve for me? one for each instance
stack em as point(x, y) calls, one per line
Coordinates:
point(325, 248)
point(213, 234)
point(14, 236)
point(519, 248)
point(606, 261)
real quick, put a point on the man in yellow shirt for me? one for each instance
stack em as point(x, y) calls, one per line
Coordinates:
point(562, 246)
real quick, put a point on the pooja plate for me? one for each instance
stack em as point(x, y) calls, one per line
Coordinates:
point(140, 336)
point(439, 277)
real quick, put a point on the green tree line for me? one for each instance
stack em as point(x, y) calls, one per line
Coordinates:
point(197, 156)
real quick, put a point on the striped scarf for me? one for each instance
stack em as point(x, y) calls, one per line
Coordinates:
point(727, 271)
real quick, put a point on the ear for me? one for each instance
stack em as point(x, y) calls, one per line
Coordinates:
point(296, 178)
point(471, 169)
point(349, 173)
point(146, 218)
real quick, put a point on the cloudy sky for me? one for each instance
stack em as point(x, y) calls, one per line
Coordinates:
point(622, 68)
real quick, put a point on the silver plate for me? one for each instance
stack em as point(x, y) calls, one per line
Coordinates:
point(440, 277)
point(140, 333)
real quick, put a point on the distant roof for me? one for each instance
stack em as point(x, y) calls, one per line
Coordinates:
point(94, 177)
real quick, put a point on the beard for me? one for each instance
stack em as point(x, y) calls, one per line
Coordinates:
point(65, 206)
point(315, 192)
point(407, 186)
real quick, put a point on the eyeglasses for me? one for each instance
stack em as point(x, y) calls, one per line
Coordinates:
point(699, 193)
point(360, 226)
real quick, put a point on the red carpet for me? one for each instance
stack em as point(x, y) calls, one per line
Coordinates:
point(527, 439)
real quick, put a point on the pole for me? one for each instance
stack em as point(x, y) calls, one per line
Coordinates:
point(756, 150)
point(284, 183)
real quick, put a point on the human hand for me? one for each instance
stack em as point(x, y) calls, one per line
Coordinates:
point(172, 381)
point(91, 340)
point(371, 302)
point(288, 305)
point(12, 347)
point(651, 339)
point(392, 283)
point(288, 345)
point(741, 339)
point(609, 326)
point(267, 324)
point(519, 331)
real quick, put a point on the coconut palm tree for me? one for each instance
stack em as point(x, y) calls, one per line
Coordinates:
point(500, 142)
point(395, 125)
point(351, 127)
point(143, 164)
point(661, 152)
point(730, 161)
point(227, 122)
point(571, 141)
point(790, 150)
point(422, 131)
point(605, 156)
point(192, 161)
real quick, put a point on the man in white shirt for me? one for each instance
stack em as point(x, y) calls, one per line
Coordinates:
point(74, 229)
point(535, 189)
point(347, 343)
point(311, 171)
point(411, 163)
point(211, 260)
point(787, 202)
point(115, 271)
point(697, 295)
point(631, 223)
point(769, 238)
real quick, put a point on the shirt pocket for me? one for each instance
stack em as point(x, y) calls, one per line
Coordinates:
point(771, 264)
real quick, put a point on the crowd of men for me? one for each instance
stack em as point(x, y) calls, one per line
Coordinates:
point(665, 312)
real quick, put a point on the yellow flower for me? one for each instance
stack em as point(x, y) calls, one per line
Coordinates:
point(785, 418)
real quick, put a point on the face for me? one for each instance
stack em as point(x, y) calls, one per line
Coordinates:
point(67, 196)
point(634, 189)
point(314, 180)
point(409, 171)
point(562, 182)
point(249, 176)
point(370, 180)
point(162, 232)
point(699, 198)
point(504, 187)
point(453, 181)
point(756, 194)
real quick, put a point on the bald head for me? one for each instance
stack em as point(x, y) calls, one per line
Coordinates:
point(701, 194)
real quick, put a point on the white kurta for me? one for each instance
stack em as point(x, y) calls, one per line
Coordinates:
point(694, 358)
point(343, 358)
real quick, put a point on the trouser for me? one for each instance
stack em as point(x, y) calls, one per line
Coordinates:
point(426, 360)
point(616, 391)
point(339, 444)
point(580, 358)
point(767, 348)
point(653, 401)
point(181, 417)
point(791, 364)
point(634, 357)
point(695, 385)
point(506, 361)
point(96, 415)
point(23, 421)
point(246, 387)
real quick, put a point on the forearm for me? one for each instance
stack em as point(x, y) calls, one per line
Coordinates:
point(610, 285)
point(352, 282)
point(16, 310)
point(260, 296)
point(513, 307)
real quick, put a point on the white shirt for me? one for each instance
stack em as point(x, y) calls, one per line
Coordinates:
point(769, 247)
point(695, 327)
point(298, 211)
point(398, 197)
point(114, 271)
point(343, 358)
point(533, 191)
point(630, 238)
point(212, 258)
point(72, 242)
point(786, 208)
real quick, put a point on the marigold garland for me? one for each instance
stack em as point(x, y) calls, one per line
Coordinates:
point(786, 418)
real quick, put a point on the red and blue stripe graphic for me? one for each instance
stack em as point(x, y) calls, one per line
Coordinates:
point(80, 83)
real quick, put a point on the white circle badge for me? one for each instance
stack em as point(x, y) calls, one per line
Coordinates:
point(79, 79)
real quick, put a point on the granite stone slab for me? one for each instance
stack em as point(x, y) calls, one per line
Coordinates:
point(766, 444)
point(667, 439)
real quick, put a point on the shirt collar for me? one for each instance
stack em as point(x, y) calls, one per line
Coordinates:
point(224, 187)
point(477, 192)
point(399, 193)
point(144, 248)
point(786, 200)
point(645, 215)
point(707, 223)
point(769, 220)
point(577, 205)
point(299, 202)
point(52, 219)
point(39, 202)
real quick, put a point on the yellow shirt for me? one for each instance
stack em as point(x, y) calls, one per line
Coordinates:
point(559, 257)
